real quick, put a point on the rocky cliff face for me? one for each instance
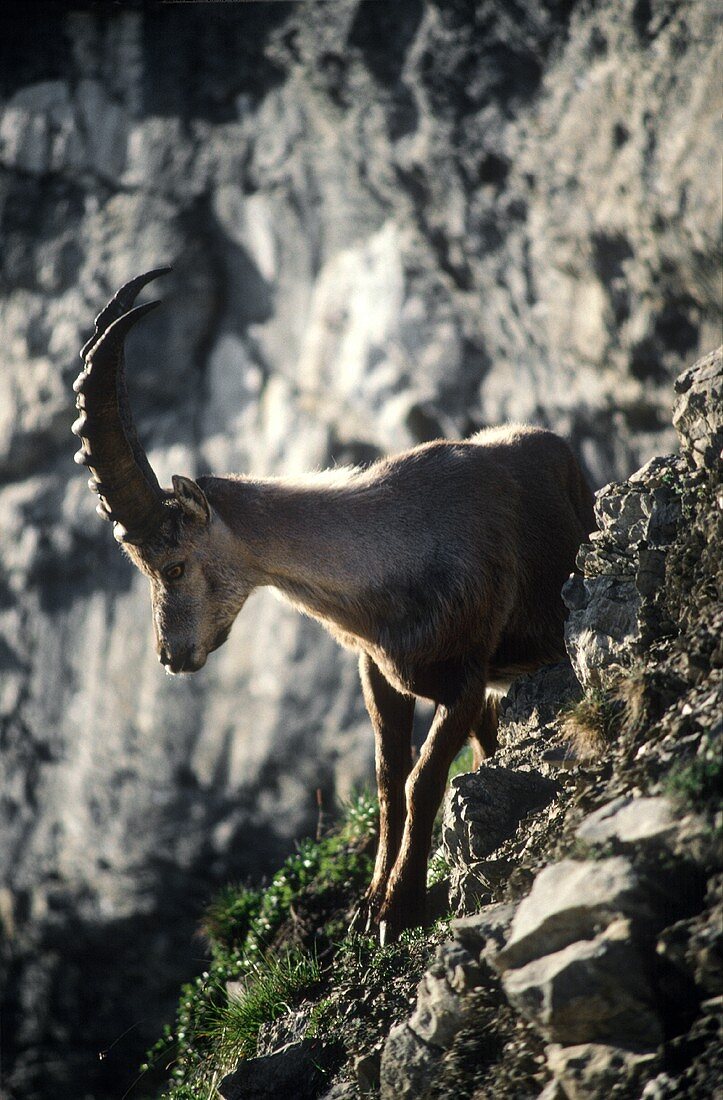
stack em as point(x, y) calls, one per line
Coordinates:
point(386, 223)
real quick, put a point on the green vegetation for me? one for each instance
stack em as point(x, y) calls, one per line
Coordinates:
point(269, 987)
point(372, 987)
point(275, 949)
point(268, 948)
point(438, 868)
point(462, 762)
point(230, 915)
point(699, 783)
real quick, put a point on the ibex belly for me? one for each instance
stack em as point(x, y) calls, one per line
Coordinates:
point(438, 681)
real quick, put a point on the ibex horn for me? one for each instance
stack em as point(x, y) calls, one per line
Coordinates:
point(129, 492)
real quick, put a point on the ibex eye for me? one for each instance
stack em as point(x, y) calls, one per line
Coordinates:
point(173, 572)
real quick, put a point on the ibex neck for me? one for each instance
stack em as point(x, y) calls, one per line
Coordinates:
point(304, 538)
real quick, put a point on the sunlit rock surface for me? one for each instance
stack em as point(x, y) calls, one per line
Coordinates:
point(386, 223)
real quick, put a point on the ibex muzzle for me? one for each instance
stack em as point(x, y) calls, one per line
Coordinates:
point(442, 567)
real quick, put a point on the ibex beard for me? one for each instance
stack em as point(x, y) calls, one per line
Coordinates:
point(441, 566)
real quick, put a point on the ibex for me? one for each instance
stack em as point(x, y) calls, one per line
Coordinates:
point(441, 567)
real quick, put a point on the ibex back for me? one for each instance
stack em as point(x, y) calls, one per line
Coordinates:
point(441, 567)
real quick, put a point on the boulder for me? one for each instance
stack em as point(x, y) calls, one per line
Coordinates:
point(570, 901)
point(280, 1033)
point(483, 809)
point(594, 990)
point(484, 933)
point(596, 1069)
point(629, 821)
point(406, 1065)
point(442, 1004)
point(698, 411)
point(295, 1070)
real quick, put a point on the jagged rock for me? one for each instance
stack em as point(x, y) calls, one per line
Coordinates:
point(444, 1004)
point(535, 699)
point(406, 1065)
point(694, 946)
point(661, 1087)
point(484, 933)
point(439, 1011)
point(570, 901)
point(629, 821)
point(704, 950)
point(286, 1030)
point(603, 618)
point(698, 411)
point(295, 1070)
point(441, 1004)
point(591, 991)
point(594, 1069)
point(614, 603)
point(367, 1070)
point(343, 1090)
point(552, 1091)
point(701, 1076)
point(482, 809)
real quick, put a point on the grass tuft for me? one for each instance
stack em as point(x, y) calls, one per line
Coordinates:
point(230, 916)
point(591, 724)
point(271, 986)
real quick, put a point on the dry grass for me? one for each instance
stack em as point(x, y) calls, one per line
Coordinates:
point(631, 693)
point(590, 725)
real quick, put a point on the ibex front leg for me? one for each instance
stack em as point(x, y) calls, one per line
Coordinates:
point(404, 903)
point(391, 714)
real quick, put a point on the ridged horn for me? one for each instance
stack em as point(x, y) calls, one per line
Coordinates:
point(122, 477)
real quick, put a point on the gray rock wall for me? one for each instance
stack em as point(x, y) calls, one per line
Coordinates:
point(386, 223)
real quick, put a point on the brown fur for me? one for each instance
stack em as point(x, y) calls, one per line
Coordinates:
point(442, 567)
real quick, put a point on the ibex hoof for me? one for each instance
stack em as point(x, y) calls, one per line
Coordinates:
point(365, 919)
point(361, 920)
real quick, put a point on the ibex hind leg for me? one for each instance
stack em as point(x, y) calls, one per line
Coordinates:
point(483, 735)
point(404, 903)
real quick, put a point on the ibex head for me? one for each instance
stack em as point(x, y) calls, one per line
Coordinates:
point(167, 533)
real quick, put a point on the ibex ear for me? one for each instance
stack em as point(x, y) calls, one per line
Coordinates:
point(192, 499)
